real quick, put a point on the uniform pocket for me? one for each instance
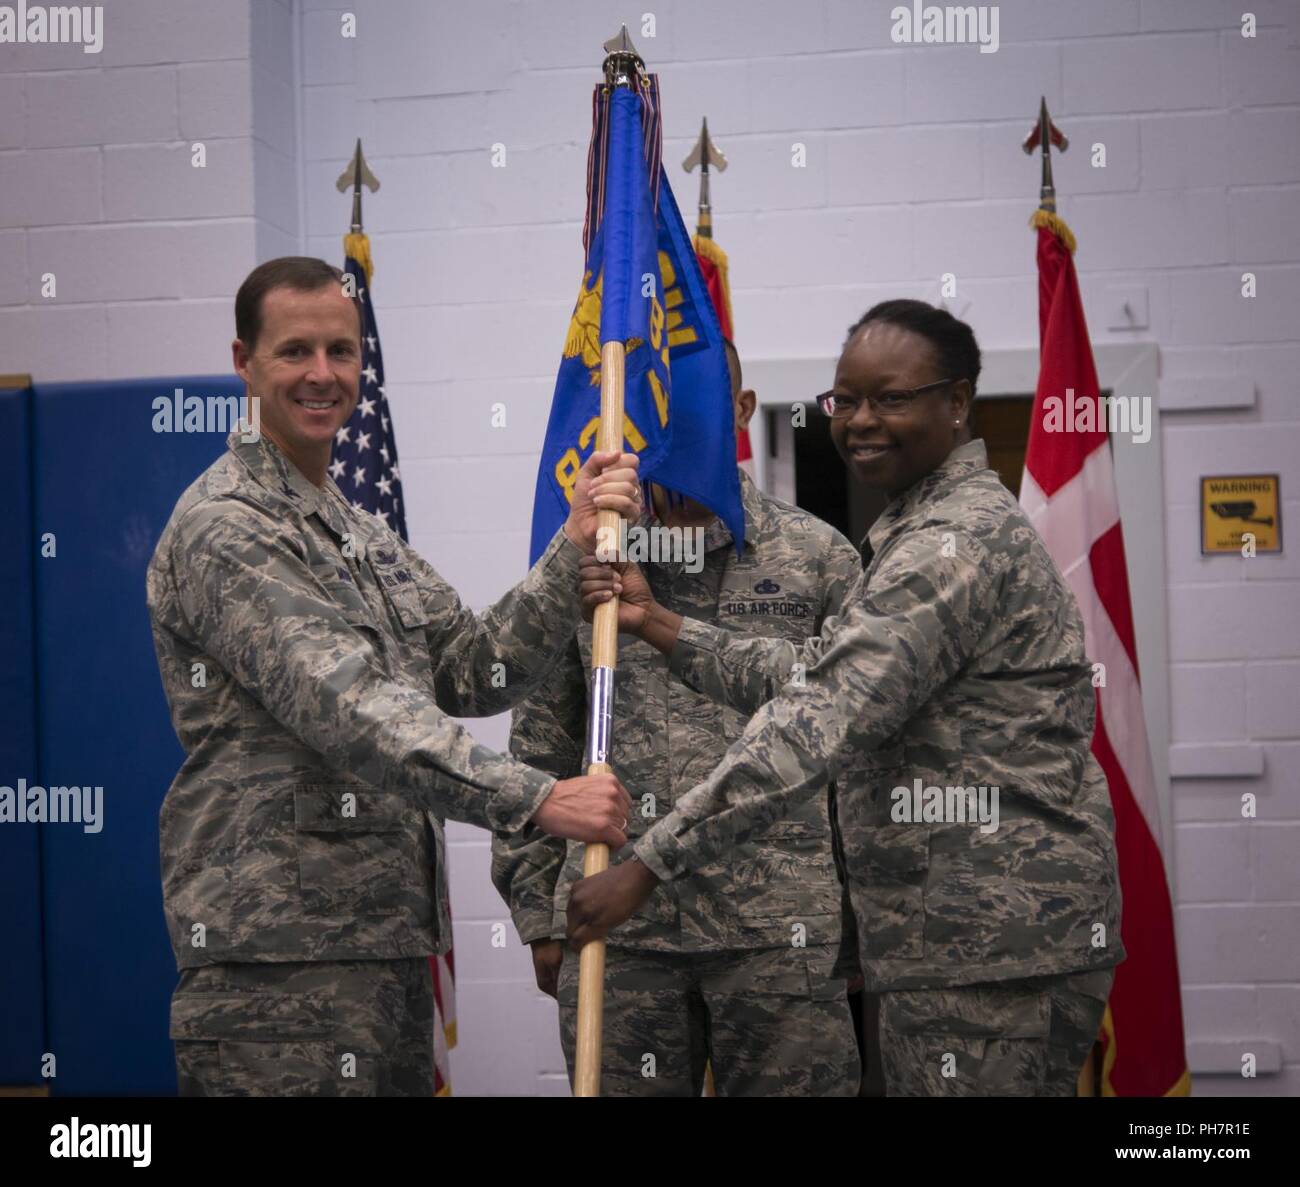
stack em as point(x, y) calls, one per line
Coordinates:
point(408, 606)
point(198, 892)
point(349, 602)
point(787, 874)
point(973, 1040)
point(251, 1016)
point(975, 1011)
point(255, 1044)
point(355, 849)
point(886, 862)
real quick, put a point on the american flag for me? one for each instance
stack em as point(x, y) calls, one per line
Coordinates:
point(365, 450)
point(365, 468)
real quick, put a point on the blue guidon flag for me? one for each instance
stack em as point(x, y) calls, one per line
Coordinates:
point(641, 286)
point(365, 451)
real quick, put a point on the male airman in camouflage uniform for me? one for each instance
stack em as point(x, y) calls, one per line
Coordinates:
point(735, 964)
point(957, 660)
point(311, 659)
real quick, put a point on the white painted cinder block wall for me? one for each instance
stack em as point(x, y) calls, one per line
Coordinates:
point(97, 186)
point(914, 169)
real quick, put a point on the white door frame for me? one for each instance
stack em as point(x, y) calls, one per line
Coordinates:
point(1123, 369)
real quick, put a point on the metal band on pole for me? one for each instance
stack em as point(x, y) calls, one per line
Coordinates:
point(600, 714)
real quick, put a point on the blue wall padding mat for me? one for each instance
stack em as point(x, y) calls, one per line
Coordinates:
point(104, 483)
point(22, 1021)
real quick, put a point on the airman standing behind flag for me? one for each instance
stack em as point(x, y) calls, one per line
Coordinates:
point(737, 965)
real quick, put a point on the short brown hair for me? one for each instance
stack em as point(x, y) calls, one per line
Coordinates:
point(303, 274)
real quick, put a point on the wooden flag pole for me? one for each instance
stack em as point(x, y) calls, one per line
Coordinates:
point(604, 659)
point(623, 66)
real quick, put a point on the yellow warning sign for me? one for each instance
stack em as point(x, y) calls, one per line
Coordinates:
point(1241, 513)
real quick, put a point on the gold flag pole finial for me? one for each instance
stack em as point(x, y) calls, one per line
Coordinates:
point(1044, 135)
point(704, 154)
point(356, 175)
point(623, 65)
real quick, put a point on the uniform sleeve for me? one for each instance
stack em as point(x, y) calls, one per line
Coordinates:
point(841, 571)
point(547, 732)
point(746, 671)
point(900, 639)
point(485, 664)
point(252, 602)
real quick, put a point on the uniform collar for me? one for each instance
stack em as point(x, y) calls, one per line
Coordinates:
point(959, 465)
point(718, 535)
point(270, 469)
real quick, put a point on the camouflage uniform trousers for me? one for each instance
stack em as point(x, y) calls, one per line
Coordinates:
point(772, 1022)
point(1002, 1038)
point(275, 1029)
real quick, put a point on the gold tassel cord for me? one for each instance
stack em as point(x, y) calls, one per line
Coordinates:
point(1056, 224)
point(357, 245)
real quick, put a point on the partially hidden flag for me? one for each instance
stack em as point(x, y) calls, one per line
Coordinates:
point(715, 270)
point(1068, 491)
point(641, 286)
point(365, 451)
point(365, 468)
point(443, 970)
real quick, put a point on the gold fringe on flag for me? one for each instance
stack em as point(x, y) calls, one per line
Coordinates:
point(1180, 1087)
point(357, 245)
point(1056, 224)
point(709, 249)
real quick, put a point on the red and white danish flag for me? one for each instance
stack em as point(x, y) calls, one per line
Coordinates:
point(1068, 492)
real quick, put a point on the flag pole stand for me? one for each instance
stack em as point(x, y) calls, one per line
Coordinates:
point(604, 659)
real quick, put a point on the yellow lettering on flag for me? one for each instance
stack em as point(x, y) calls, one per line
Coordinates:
point(632, 433)
point(592, 427)
point(656, 324)
point(566, 472)
point(678, 334)
point(661, 397)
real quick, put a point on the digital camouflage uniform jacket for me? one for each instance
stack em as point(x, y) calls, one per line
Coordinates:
point(791, 576)
point(310, 659)
point(958, 660)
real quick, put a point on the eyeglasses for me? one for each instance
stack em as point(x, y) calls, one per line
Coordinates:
point(889, 403)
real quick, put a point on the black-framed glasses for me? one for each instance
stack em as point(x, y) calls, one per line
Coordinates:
point(889, 403)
